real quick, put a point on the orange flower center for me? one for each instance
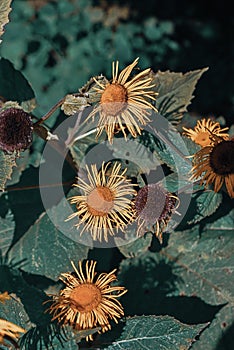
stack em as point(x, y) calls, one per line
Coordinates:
point(85, 297)
point(203, 138)
point(100, 201)
point(114, 99)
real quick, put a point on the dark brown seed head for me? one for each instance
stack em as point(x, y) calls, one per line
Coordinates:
point(153, 203)
point(15, 130)
point(222, 158)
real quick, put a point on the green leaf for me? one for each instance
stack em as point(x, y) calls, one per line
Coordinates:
point(173, 183)
point(135, 152)
point(173, 149)
point(226, 222)
point(7, 162)
point(175, 92)
point(204, 262)
point(156, 332)
point(20, 166)
point(73, 104)
point(135, 248)
point(47, 250)
point(13, 85)
point(203, 204)
point(5, 9)
point(7, 227)
point(13, 311)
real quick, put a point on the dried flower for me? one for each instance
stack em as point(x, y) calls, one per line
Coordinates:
point(154, 207)
point(124, 103)
point(9, 331)
point(15, 130)
point(88, 301)
point(203, 131)
point(215, 165)
point(105, 203)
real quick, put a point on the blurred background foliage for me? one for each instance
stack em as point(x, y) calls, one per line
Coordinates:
point(59, 45)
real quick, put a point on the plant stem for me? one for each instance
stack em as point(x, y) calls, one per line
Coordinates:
point(51, 111)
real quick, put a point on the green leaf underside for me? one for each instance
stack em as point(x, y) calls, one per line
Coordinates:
point(205, 266)
point(44, 240)
point(175, 92)
point(7, 162)
point(4, 14)
point(155, 332)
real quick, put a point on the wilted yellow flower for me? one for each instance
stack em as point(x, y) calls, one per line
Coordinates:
point(124, 103)
point(105, 204)
point(9, 331)
point(203, 131)
point(215, 165)
point(88, 301)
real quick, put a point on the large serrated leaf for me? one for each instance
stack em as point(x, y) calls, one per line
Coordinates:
point(204, 263)
point(7, 227)
point(7, 162)
point(156, 332)
point(175, 92)
point(46, 250)
point(5, 9)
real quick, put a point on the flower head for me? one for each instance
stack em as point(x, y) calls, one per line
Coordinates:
point(88, 301)
point(9, 331)
point(105, 203)
point(203, 132)
point(215, 165)
point(154, 207)
point(124, 103)
point(15, 130)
